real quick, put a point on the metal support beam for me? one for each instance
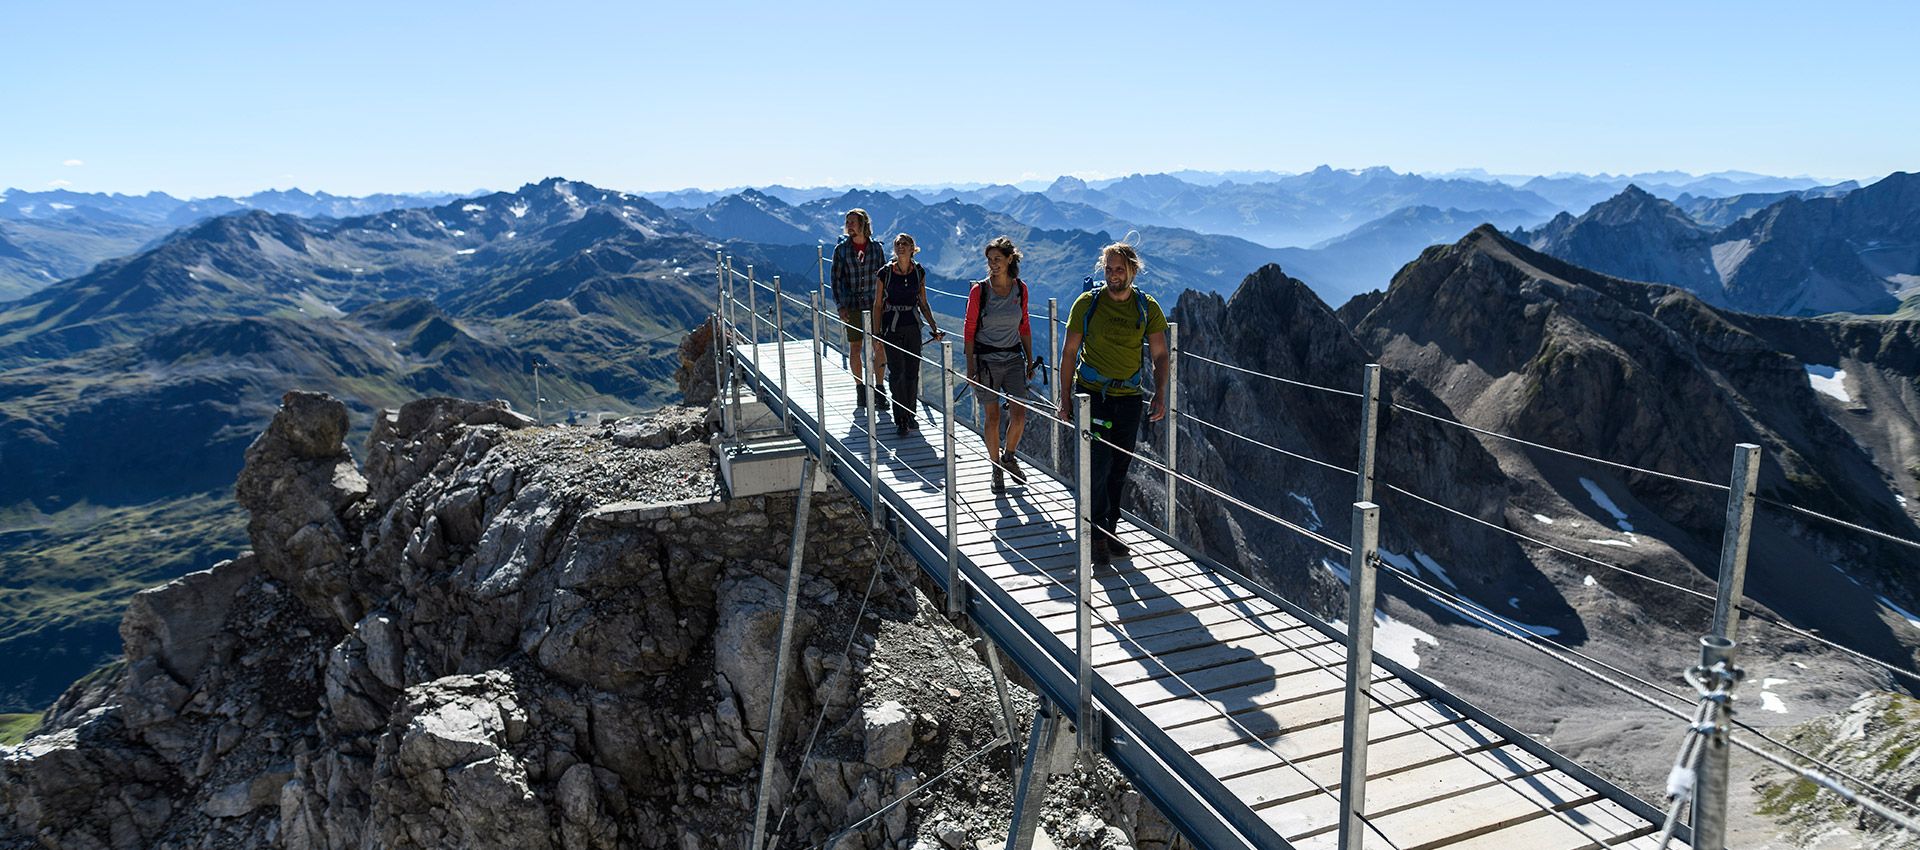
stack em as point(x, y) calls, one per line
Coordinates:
point(1173, 424)
point(956, 604)
point(1005, 724)
point(1083, 588)
point(1711, 788)
point(1047, 753)
point(1369, 432)
point(716, 346)
point(769, 744)
point(753, 309)
point(873, 427)
point(1734, 541)
point(1360, 606)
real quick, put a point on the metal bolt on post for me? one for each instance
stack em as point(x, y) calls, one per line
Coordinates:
point(1735, 539)
point(1361, 568)
point(952, 482)
point(873, 429)
point(1369, 432)
point(1173, 422)
point(1083, 534)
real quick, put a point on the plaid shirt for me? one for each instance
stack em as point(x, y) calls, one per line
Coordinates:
point(853, 278)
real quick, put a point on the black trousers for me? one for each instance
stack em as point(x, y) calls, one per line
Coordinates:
point(1117, 421)
point(903, 369)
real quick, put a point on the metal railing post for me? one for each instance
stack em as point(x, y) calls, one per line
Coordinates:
point(769, 745)
point(715, 347)
point(753, 308)
point(1734, 541)
point(1053, 351)
point(819, 379)
point(733, 352)
point(780, 339)
point(873, 428)
point(1083, 535)
point(1710, 790)
point(1173, 422)
point(955, 604)
point(1369, 432)
point(1360, 605)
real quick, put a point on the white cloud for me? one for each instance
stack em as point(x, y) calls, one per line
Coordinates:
point(73, 163)
point(59, 184)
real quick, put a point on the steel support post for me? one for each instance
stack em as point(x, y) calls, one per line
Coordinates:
point(1173, 423)
point(1006, 722)
point(956, 603)
point(1053, 351)
point(1734, 541)
point(1710, 789)
point(780, 340)
point(873, 428)
point(1360, 605)
point(1044, 747)
point(769, 745)
point(715, 347)
point(1083, 592)
point(1369, 432)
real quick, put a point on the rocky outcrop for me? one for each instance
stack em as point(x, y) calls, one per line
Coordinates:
point(513, 637)
point(1876, 741)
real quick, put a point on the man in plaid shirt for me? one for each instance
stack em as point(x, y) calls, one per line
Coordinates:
point(857, 262)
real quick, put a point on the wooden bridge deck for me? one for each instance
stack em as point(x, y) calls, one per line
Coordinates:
point(1244, 694)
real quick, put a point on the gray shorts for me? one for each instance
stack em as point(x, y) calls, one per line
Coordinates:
point(1000, 372)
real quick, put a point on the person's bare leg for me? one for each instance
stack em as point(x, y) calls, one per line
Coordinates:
point(1016, 424)
point(993, 432)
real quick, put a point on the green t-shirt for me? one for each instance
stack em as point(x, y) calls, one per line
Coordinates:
point(1112, 343)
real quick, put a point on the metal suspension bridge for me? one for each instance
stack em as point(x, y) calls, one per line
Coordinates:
point(1247, 720)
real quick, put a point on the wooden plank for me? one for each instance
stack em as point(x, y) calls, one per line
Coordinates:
point(1309, 705)
point(1462, 816)
point(1313, 814)
point(1248, 756)
point(1297, 678)
point(1170, 659)
point(1386, 755)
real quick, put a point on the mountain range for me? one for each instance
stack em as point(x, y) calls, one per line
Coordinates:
point(1856, 252)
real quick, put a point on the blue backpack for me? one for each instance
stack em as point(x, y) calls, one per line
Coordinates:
point(1137, 380)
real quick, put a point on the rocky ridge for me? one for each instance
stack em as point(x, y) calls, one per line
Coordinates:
point(494, 635)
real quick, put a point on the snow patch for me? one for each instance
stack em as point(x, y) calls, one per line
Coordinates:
point(1313, 514)
point(473, 208)
point(1420, 562)
point(1620, 543)
point(1911, 618)
point(56, 205)
point(512, 233)
point(1543, 519)
point(1605, 502)
point(519, 210)
point(1396, 640)
point(459, 233)
point(1829, 381)
point(465, 251)
point(1589, 581)
point(1770, 701)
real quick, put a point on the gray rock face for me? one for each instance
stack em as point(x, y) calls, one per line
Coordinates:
point(485, 642)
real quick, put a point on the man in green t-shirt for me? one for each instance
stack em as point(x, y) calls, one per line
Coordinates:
point(1105, 330)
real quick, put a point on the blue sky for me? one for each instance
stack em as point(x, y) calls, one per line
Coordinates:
point(201, 98)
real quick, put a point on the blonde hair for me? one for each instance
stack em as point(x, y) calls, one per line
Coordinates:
point(1126, 252)
point(866, 221)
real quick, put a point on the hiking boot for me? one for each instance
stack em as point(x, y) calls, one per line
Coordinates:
point(1013, 468)
point(860, 397)
point(1117, 548)
point(999, 482)
point(1101, 557)
point(901, 429)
